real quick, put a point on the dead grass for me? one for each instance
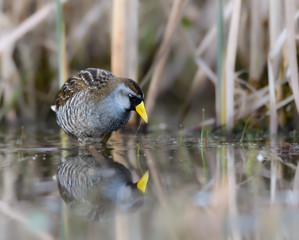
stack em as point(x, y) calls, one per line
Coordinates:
point(179, 54)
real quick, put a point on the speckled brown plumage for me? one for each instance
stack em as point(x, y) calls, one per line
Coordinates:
point(92, 79)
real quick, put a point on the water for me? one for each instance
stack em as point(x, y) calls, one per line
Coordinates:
point(219, 190)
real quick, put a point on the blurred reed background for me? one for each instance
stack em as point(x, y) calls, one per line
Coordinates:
point(237, 59)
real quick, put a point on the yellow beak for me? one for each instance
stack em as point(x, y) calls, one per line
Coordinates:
point(143, 182)
point(141, 111)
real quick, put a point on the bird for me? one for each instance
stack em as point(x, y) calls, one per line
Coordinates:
point(93, 103)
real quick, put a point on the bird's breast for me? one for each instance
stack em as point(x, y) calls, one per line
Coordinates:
point(109, 117)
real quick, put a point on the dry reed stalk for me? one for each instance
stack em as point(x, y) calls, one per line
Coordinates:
point(62, 61)
point(220, 87)
point(220, 106)
point(230, 65)
point(242, 94)
point(162, 54)
point(63, 57)
point(81, 30)
point(61, 49)
point(155, 82)
point(27, 25)
point(205, 43)
point(9, 76)
point(253, 106)
point(197, 81)
point(273, 113)
point(275, 19)
point(124, 46)
point(124, 38)
point(252, 102)
point(257, 58)
point(257, 100)
point(284, 102)
point(255, 95)
point(197, 59)
point(203, 69)
point(291, 48)
point(211, 34)
point(244, 35)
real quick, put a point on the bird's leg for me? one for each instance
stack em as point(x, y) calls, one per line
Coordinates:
point(106, 137)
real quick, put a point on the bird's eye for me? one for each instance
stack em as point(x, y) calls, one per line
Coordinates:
point(132, 97)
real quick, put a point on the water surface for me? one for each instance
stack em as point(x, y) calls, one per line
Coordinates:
point(52, 188)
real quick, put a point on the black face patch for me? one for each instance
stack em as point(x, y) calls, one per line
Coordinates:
point(134, 100)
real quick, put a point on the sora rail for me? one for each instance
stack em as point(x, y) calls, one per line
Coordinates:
point(93, 103)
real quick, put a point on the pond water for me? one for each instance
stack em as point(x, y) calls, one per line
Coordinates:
point(51, 188)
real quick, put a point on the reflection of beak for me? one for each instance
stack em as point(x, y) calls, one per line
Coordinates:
point(141, 111)
point(142, 182)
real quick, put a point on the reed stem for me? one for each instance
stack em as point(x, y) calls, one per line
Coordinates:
point(230, 65)
point(62, 62)
point(220, 93)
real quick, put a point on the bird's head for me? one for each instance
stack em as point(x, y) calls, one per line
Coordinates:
point(132, 97)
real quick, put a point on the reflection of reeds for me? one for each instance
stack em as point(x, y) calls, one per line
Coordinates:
point(10, 208)
point(14, 214)
point(160, 194)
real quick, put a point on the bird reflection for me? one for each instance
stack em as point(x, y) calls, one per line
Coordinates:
point(95, 187)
